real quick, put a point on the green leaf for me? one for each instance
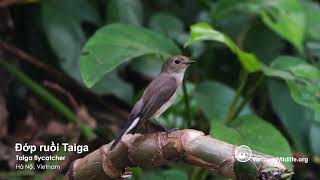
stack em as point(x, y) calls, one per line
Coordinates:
point(225, 133)
point(285, 63)
point(203, 31)
point(166, 24)
point(171, 26)
point(270, 48)
point(306, 94)
point(173, 174)
point(170, 174)
point(125, 11)
point(298, 67)
point(115, 44)
point(256, 133)
point(313, 50)
point(262, 136)
point(303, 80)
point(294, 117)
point(306, 71)
point(64, 30)
point(312, 10)
point(304, 85)
point(224, 8)
point(277, 73)
point(287, 18)
point(215, 98)
point(149, 65)
point(113, 84)
point(314, 138)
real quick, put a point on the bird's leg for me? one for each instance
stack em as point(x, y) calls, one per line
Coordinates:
point(171, 130)
point(156, 125)
point(146, 126)
point(160, 127)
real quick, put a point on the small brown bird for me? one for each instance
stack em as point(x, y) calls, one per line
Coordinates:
point(158, 96)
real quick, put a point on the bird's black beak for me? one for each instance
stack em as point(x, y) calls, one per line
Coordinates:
point(190, 62)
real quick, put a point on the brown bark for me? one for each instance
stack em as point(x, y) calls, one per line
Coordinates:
point(160, 148)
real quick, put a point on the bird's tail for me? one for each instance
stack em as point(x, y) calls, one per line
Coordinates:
point(128, 128)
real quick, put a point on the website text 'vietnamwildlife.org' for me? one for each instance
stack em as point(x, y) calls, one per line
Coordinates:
point(243, 154)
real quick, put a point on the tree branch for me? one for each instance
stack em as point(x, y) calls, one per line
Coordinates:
point(160, 148)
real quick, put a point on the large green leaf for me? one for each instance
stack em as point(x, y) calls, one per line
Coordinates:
point(226, 7)
point(149, 65)
point(171, 26)
point(113, 84)
point(64, 30)
point(256, 133)
point(287, 18)
point(294, 117)
point(225, 133)
point(270, 48)
point(314, 138)
point(125, 11)
point(118, 43)
point(312, 10)
point(302, 78)
point(166, 24)
point(203, 31)
point(215, 98)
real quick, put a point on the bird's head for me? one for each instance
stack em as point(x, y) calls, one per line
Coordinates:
point(176, 64)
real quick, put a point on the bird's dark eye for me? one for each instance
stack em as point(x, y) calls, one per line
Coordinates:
point(177, 61)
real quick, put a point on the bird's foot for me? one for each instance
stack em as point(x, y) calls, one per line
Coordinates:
point(171, 130)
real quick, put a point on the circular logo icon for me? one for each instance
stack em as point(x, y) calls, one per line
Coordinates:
point(243, 153)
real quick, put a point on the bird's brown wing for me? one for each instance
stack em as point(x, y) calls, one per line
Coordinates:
point(157, 93)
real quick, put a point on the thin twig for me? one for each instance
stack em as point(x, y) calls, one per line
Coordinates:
point(186, 104)
point(75, 105)
point(250, 94)
point(81, 111)
point(231, 114)
point(29, 58)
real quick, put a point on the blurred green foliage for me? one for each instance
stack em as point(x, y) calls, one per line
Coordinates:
point(257, 77)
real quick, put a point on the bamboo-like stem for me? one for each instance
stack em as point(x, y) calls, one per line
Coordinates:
point(161, 148)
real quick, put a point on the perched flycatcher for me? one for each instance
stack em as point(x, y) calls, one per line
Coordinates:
point(158, 96)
